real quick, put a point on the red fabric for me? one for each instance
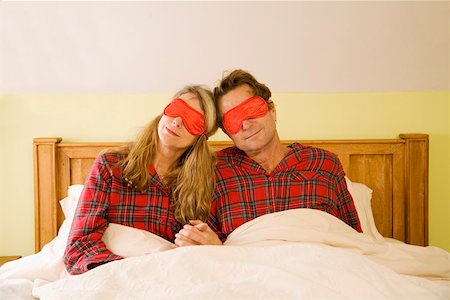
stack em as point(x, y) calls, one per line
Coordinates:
point(251, 108)
point(306, 178)
point(193, 120)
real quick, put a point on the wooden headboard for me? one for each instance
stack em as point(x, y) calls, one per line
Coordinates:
point(395, 169)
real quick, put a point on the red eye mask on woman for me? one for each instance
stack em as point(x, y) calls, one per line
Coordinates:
point(251, 108)
point(193, 120)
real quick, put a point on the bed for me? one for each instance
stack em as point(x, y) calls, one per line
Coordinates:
point(301, 254)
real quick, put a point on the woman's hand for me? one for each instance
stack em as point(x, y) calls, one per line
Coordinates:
point(196, 233)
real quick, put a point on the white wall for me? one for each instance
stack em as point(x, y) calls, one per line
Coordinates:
point(135, 47)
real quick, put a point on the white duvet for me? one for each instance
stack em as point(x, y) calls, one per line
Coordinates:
point(297, 254)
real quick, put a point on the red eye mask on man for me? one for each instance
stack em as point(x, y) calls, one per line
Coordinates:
point(251, 108)
point(193, 120)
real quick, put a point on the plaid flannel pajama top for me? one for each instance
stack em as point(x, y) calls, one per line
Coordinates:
point(107, 198)
point(307, 177)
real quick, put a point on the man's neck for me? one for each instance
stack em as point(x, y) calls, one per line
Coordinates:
point(270, 156)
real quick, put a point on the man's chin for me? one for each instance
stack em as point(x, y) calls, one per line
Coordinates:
point(249, 145)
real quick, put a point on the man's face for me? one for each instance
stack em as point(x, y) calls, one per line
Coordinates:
point(255, 133)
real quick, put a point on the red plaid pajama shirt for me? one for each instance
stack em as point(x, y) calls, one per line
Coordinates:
point(307, 177)
point(107, 198)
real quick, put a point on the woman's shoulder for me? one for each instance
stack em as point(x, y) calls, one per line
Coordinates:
point(110, 158)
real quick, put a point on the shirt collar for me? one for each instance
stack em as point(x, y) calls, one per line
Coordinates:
point(239, 158)
point(156, 180)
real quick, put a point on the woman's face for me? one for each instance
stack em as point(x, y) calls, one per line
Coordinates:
point(172, 131)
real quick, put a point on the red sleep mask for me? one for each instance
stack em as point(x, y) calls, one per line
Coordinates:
point(251, 108)
point(193, 120)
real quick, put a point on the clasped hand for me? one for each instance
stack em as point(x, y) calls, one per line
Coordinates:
point(196, 233)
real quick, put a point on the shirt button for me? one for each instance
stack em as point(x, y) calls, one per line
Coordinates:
point(161, 220)
point(270, 178)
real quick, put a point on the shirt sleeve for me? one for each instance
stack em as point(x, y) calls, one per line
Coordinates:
point(346, 206)
point(213, 221)
point(85, 249)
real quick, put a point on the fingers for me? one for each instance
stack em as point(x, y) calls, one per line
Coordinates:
point(202, 226)
point(193, 233)
point(189, 236)
point(181, 241)
point(196, 233)
point(195, 222)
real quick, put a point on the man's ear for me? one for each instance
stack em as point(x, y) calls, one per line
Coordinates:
point(272, 109)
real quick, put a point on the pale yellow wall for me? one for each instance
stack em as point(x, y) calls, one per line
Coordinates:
point(82, 117)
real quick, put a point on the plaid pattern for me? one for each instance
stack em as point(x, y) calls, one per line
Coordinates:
point(107, 198)
point(306, 178)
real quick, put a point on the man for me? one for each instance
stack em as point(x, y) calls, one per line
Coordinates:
point(260, 175)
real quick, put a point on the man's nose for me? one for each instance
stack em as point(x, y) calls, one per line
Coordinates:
point(246, 124)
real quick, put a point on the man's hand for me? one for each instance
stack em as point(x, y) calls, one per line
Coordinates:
point(196, 233)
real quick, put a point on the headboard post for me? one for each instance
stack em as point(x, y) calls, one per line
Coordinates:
point(44, 152)
point(416, 171)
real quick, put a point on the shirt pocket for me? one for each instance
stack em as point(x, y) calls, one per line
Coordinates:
point(308, 176)
point(312, 189)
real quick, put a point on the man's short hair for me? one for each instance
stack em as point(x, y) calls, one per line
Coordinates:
point(235, 79)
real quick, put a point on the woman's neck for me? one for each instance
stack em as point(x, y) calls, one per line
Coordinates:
point(165, 158)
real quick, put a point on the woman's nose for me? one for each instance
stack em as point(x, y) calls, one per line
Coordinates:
point(177, 122)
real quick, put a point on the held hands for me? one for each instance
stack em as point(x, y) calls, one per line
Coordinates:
point(196, 233)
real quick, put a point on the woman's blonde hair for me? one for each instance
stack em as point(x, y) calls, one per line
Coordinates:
point(191, 177)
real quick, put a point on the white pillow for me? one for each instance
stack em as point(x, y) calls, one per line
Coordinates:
point(362, 197)
point(128, 241)
point(69, 204)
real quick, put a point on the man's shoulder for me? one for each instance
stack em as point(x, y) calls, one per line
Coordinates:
point(228, 154)
point(311, 153)
point(298, 147)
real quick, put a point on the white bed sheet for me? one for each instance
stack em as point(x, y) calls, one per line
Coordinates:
point(298, 254)
point(296, 271)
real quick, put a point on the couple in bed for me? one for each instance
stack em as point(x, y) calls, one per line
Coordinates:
point(168, 182)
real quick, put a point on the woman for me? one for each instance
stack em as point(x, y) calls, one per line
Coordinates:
point(158, 183)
